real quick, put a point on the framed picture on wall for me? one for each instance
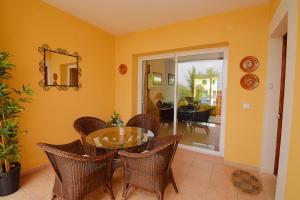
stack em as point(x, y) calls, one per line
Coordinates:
point(157, 78)
point(171, 79)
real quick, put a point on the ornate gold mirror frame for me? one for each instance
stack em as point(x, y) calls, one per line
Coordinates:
point(42, 67)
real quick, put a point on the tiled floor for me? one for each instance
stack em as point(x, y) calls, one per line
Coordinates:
point(198, 177)
point(195, 137)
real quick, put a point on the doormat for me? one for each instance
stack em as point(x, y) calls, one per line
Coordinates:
point(246, 182)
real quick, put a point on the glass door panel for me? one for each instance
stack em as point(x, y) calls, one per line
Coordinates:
point(158, 91)
point(199, 97)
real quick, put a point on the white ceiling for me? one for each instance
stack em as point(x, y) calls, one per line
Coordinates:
point(124, 16)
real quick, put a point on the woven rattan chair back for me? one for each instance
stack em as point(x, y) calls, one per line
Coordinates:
point(86, 125)
point(151, 170)
point(146, 121)
point(77, 175)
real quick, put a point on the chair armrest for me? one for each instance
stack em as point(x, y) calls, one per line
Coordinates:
point(72, 156)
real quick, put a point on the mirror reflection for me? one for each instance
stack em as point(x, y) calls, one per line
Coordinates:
point(60, 69)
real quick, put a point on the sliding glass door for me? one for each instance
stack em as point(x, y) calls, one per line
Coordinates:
point(158, 91)
point(186, 91)
point(199, 97)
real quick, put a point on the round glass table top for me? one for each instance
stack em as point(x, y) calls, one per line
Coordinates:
point(119, 138)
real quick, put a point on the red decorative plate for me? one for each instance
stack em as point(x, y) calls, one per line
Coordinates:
point(249, 64)
point(123, 69)
point(249, 81)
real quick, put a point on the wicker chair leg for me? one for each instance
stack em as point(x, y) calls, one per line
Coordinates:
point(53, 197)
point(125, 191)
point(110, 191)
point(173, 182)
point(207, 131)
point(160, 195)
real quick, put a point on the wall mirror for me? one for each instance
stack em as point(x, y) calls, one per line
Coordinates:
point(59, 68)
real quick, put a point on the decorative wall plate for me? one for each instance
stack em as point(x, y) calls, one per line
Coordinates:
point(249, 81)
point(249, 64)
point(122, 69)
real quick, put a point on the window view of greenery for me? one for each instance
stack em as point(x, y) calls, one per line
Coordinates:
point(200, 81)
point(199, 97)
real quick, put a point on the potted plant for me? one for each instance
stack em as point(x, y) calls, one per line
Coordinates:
point(11, 101)
point(116, 121)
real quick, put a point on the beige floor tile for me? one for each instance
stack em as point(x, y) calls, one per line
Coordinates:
point(39, 180)
point(221, 194)
point(190, 196)
point(223, 168)
point(215, 159)
point(38, 185)
point(185, 192)
point(195, 137)
point(203, 164)
point(220, 181)
point(17, 196)
point(243, 196)
point(198, 177)
point(179, 160)
point(269, 186)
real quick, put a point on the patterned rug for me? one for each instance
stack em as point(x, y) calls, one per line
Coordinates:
point(246, 182)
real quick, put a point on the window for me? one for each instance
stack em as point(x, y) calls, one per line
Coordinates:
point(214, 93)
point(204, 82)
point(206, 92)
point(214, 82)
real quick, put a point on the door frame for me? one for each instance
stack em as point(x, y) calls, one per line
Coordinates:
point(72, 66)
point(284, 20)
point(280, 104)
point(175, 55)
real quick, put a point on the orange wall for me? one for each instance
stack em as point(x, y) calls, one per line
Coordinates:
point(49, 118)
point(245, 32)
point(26, 25)
point(273, 6)
point(293, 173)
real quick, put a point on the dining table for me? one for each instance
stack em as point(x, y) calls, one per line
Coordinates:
point(115, 138)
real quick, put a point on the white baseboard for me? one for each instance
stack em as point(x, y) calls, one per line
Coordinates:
point(200, 150)
point(34, 170)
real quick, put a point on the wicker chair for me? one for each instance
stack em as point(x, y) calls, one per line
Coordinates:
point(151, 170)
point(76, 174)
point(146, 121)
point(86, 125)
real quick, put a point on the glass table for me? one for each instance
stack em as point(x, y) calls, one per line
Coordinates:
point(116, 138)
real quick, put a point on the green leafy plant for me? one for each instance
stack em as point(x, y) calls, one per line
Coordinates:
point(11, 104)
point(115, 120)
point(190, 78)
point(197, 91)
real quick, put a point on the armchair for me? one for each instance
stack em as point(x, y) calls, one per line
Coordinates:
point(200, 120)
point(151, 170)
point(77, 175)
